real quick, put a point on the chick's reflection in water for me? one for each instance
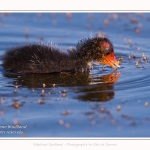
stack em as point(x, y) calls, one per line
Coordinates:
point(103, 90)
point(88, 88)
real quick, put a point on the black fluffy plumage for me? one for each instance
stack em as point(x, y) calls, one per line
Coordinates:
point(38, 58)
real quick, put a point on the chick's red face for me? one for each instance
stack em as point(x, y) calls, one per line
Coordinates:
point(108, 57)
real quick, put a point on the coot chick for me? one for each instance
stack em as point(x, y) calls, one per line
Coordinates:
point(39, 58)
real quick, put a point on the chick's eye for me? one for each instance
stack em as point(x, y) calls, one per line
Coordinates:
point(107, 51)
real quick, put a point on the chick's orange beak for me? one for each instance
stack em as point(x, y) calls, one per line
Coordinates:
point(110, 60)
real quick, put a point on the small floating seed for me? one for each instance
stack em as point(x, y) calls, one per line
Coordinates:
point(90, 118)
point(66, 113)
point(105, 22)
point(129, 57)
point(67, 125)
point(15, 122)
point(115, 16)
point(88, 26)
point(44, 85)
point(146, 104)
point(16, 104)
point(1, 112)
point(138, 48)
point(144, 57)
point(63, 95)
point(49, 93)
point(130, 42)
point(68, 15)
point(118, 108)
point(90, 16)
point(102, 109)
point(42, 92)
point(113, 122)
point(1, 99)
point(54, 85)
point(64, 91)
point(120, 59)
point(137, 30)
point(15, 91)
point(136, 63)
point(61, 122)
point(16, 86)
point(39, 101)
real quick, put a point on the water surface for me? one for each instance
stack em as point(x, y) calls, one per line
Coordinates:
point(100, 104)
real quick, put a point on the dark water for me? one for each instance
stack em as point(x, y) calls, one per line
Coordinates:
point(102, 104)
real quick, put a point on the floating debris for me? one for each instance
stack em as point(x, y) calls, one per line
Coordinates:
point(137, 63)
point(120, 59)
point(68, 15)
point(130, 42)
point(102, 109)
point(67, 125)
point(42, 91)
point(40, 101)
point(63, 95)
point(115, 16)
point(44, 85)
point(15, 104)
point(15, 122)
point(133, 21)
point(90, 16)
point(15, 91)
point(137, 30)
point(138, 48)
point(88, 26)
point(61, 122)
point(144, 57)
point(54, 85)
point(113, 122)
point(16, 86)
point(105, 22)
point(90, 118)
point(146, 104)
point(118, 108)
point(1, 113)
point(129, 57)
point(66, 113)
point(1, 99)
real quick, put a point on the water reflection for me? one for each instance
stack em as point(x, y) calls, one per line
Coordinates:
point(90, 88)
point(102, 91)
